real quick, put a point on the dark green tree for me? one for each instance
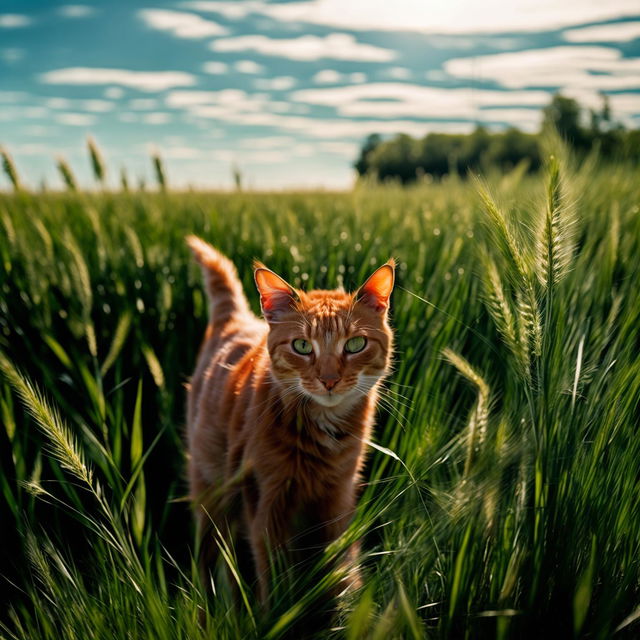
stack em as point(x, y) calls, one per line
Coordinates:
point(405, 158)
point(361, 165)
point(563, 115)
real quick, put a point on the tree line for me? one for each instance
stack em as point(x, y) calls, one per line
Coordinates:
point(408, 159)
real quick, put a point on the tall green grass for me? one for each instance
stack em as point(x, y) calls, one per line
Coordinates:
point(500, 499)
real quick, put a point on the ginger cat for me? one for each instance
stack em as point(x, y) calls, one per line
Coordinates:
point(278, 409)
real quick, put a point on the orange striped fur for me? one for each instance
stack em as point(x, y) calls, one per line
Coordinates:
point(275, 437)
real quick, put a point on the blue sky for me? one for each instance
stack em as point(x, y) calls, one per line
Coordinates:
point(288, 90)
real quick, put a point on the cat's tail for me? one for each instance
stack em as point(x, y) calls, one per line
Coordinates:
point(221, 282)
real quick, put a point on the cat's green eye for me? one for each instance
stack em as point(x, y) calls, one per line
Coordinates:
point(302, 347)
point(356, 344)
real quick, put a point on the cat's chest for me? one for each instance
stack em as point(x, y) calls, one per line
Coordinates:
point(319, 467)
point(312, 483)
point(308, 460)
point(333, 422)
point(327, 425)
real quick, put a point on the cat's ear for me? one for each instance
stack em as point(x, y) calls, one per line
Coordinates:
point(276, 295)
point(376, 291)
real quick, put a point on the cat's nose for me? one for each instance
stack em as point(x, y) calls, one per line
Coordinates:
point(329, 380)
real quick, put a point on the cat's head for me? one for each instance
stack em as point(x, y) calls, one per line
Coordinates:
point(328, 346)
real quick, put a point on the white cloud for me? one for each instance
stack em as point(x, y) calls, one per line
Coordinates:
point(232, 10)
point(280, 106)
point(14, 20)
point(76, 11)
point(303, 150)
point(327, 76)
point(38, 130)
point(435, 75)
point(97, 106)
point(264, 156)
point(268, 142)
point(76, 119)
point(224, 99)
point(330, 76)
point(399, 73)
point(392, 100)
point(620, 32)
point(174, 141)
point(7, 114)
point(626, 105)
point(114, 93)
point(180, 24)
point(34, 112)
point(289, 145)
point(180, 153)
point(180, 99)
point(252, 157)
point(14, 113)
point(11, 55)
point(457, 41)
point(248, 66)
point(340, 148)
point(326, 128)
point(12, 96)
point(215, 67)
point(31, 149)
point(568, 67)
point(337, 46)
point(58, 103)
point(453, 17)
point(280, 83)
point(525, 119)
point(156, 118)
point(143, 104)
point(238, 107)
point(141, 80)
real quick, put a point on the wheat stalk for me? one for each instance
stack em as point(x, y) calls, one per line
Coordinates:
point(67, 174)
point(10, 169)
point(158, 168)
point(82, 282)
point(62, 443)
point(479, 419)
point(154, 365)
point(499, 307)
point(554, 237)
point(10, 230)
point(528, 325)
point(136, 246)
point(529, 318)
point(502, 234)
point(97, 161)
point(124, 179)
point(39, 562)
point(119, 337)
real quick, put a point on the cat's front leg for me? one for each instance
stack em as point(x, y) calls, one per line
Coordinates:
point(337, 516)
point(268, 532)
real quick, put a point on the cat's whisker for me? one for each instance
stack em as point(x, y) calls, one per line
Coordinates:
point(393, 411)
point(386, 390)
point(394, 401)
point(393, 404)
point(406, 386)
point(395, 393)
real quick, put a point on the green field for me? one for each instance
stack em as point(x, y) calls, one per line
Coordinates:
point(502, 494)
